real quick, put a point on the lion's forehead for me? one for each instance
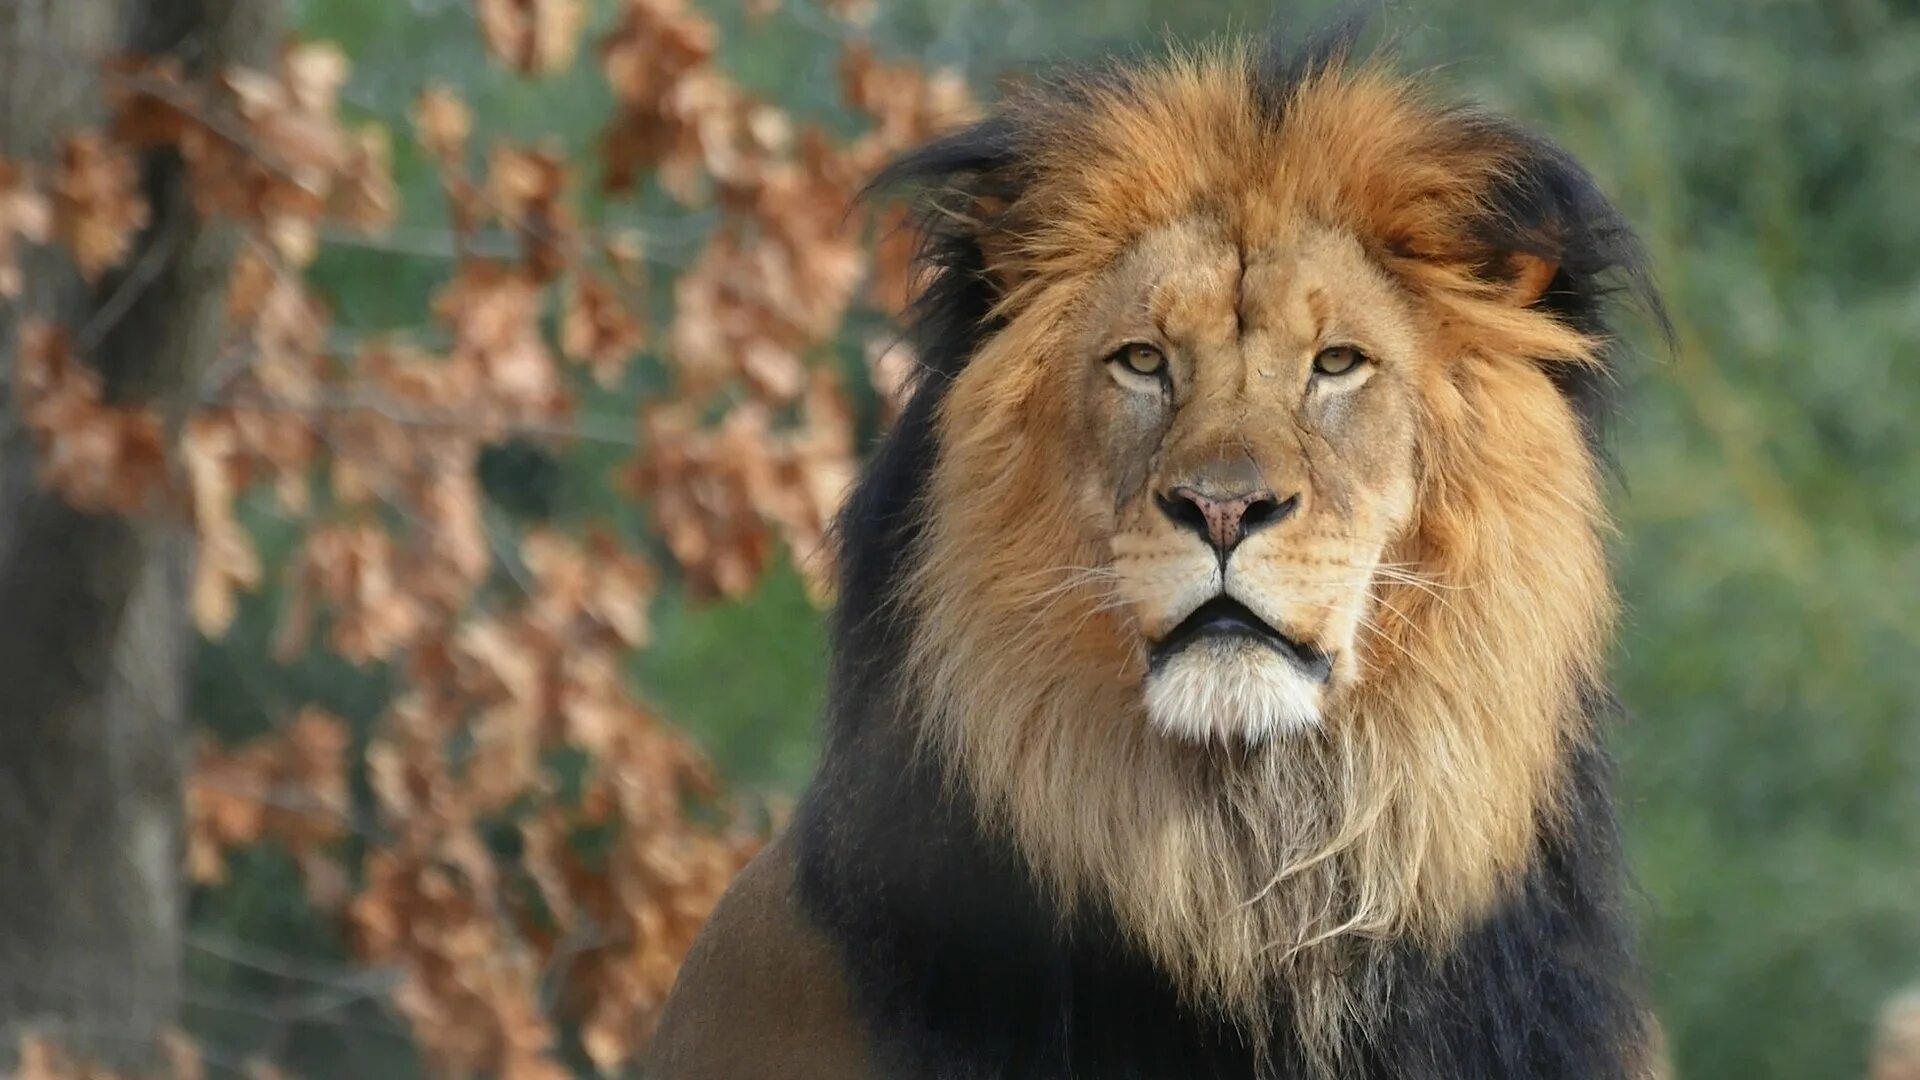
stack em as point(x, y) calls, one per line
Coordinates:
point(1193, 283)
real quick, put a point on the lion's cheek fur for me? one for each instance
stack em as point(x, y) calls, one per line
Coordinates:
point(1483, 720)
point(993, 581)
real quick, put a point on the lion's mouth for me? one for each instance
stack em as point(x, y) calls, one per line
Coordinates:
point(1223, 617)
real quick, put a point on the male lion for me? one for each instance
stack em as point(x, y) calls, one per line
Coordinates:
point(1222, 625)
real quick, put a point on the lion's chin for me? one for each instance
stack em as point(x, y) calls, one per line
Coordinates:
point(1231, 691)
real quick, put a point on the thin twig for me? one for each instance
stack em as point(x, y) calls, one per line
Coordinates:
point(272, 962)
point(596, 428)
point(423, 242)
point(129, 289)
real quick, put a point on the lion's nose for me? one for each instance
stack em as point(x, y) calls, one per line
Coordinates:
point(1224, 521)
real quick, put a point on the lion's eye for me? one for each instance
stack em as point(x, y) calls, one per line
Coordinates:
point(1141, 359)
point(1338, 360)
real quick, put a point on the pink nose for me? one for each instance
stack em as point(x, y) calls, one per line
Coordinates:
point(1224, 521)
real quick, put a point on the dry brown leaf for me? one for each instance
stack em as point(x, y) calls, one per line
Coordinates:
point(100, 458)
point(225, 560)
point(677, 113)
point(41, 1060)
point(281, 331)
point(443, 124)
point(494, 313)
point(225, 809)
point(98, 208)
point(295, 149)
point(592, 588)
point(532, 36)
point(597, 328)
point(25, 214)
point(314, 72)
point(626, 251)
point(290, 786)
point(353, 568)
point(457, 556)
point(183, 1057)
point(528, 189)
point(699, 485)
point(908, 104)
point(721, 496)
point(363, 191)
point(266, 148)
point(469, 990)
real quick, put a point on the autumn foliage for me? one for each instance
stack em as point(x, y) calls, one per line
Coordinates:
point(511, 651)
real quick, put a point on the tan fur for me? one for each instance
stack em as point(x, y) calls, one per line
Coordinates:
point(762, 967)
point(1449, 550)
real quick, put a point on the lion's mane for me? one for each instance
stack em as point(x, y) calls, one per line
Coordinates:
point(990, 793)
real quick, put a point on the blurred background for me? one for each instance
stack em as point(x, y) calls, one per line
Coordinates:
point(542, 345)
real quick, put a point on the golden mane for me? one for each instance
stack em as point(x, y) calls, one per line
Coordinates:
point(1412, 811)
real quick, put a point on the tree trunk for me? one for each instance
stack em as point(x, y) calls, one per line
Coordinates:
point(93, 634)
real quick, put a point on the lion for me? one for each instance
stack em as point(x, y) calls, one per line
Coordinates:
point(1218, 664)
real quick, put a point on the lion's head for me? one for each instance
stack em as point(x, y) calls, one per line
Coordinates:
point(1257, 583)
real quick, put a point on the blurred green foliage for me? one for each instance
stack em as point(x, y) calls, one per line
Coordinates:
point(1769, 504)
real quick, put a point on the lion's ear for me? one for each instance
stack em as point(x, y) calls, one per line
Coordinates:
point(1529, 277)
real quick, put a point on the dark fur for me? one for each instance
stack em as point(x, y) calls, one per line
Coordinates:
point(965, 969)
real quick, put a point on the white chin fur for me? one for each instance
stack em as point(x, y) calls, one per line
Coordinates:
point(1231, 691)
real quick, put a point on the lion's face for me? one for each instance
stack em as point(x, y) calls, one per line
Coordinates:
point(1245, 450)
